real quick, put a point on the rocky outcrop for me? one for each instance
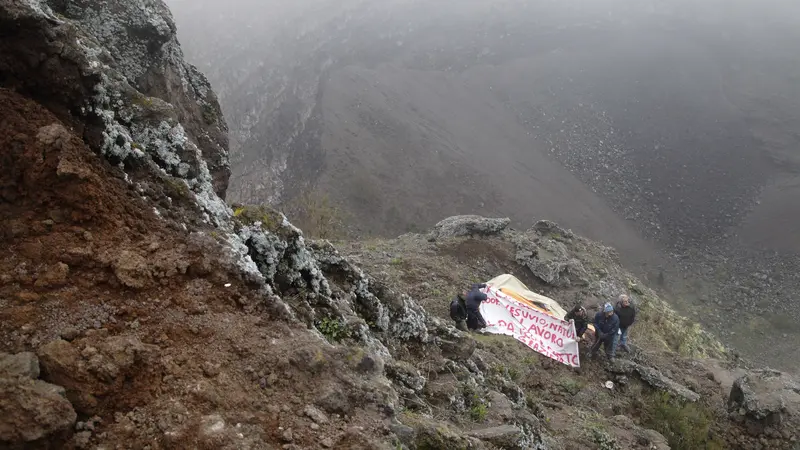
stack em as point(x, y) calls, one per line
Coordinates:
point(505, 436)
point(472, 226)
point(89, 373)
point(30, 409)
point(767, 402)
point(140, 38)
point(655, 379)
point(115, 70)
point(542, 251)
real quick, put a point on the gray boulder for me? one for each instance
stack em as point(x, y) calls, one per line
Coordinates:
point(550, 261)
point(654, 378)
point(552, 229)
point(504, 436)
point(469, 226)
point(30, 409)
point(764, 399)
point(455, 345)
point(24, 364)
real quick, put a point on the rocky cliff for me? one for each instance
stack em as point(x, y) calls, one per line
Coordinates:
point(139, 310)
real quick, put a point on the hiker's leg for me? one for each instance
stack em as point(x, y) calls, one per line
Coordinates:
point(472, 322)
point(623, 338)
point(595, 346)
point(611, 346)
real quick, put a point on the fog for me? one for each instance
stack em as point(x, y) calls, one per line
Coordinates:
point(667, 129)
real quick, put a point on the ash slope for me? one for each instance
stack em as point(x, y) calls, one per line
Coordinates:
point(679, 117)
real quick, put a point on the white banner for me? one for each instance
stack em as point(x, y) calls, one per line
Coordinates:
point(548, 335)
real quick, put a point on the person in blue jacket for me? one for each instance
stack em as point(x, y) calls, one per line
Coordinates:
point(606, 327)
point(475, 319)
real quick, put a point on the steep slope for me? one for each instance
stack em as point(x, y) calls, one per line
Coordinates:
point(403, 155)
point(678, 118)
point(139, 310)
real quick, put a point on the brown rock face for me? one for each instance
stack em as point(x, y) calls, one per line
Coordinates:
point(31, 410)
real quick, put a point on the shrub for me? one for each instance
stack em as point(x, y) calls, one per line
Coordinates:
point(332, 329)
point(478, 412)
point(315, 214)
point(686, 426)
point(570, 385)
point(603, 440)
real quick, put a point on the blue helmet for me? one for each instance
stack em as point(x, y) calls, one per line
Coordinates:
point(608, 308)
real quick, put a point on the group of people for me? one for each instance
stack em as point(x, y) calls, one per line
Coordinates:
point(611, 326)
point(465, 308)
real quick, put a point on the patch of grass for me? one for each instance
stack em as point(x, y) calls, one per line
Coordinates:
point(478, 412)
point(333, 330)
point(570, 385)
point(511, 373)
point(270, 219)
point(396, 261)
point(477, 408)
point(686, 426)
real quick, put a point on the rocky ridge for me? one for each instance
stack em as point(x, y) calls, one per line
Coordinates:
point(162, 317)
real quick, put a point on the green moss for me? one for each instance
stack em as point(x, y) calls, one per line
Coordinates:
point(269, 219)
point(177, 188)
point(143, 101)
point(333, 329)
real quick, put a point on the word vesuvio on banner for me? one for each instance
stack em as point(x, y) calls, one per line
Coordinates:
point(545, 334)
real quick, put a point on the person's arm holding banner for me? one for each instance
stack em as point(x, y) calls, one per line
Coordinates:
point(597, 330)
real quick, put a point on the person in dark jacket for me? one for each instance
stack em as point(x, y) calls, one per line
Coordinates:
point(475, 320)
point(581, 318)
point(606, 327)
point(627, 316)
point(458, 311)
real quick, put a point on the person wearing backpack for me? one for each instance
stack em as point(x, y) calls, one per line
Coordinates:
point(465, 309)
point(458, 311)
